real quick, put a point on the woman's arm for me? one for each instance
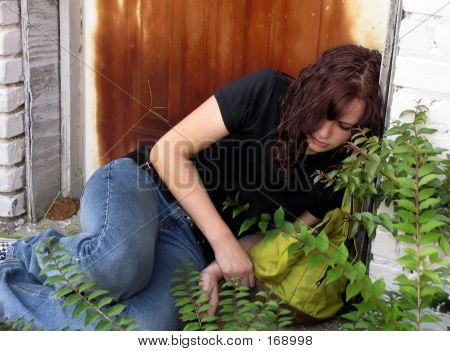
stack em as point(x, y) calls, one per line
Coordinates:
point(212, 274)
point(170, 157)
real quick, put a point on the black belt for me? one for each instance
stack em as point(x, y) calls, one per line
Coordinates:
point(142, 158)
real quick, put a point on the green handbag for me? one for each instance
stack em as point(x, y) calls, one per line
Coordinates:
point(292, 279)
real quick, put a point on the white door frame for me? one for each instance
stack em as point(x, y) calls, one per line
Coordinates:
point(71, 70)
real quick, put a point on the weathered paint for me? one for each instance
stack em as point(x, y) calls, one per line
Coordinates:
point(42, 106)
point(91, 151)
point(368, 21)
point(187, 48)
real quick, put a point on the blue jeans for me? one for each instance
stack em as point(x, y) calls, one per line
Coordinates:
point(132, 241)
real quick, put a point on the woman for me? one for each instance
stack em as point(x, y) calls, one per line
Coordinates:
point(261, 136)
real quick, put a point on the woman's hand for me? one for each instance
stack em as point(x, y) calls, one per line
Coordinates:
point(234, 261)
point(209, 279)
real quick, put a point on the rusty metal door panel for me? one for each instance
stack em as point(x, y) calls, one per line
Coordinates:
point(184, 49)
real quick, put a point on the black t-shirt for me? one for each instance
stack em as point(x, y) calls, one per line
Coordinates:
point(242, 161)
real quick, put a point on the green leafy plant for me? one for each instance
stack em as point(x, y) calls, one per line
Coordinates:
point(18, 325)
point(404, 170)
point(76, 291)
point(238, 309)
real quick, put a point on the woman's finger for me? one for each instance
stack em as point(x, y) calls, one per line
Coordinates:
point(251, 280)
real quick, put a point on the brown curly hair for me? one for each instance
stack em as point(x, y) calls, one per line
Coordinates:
point(323, 90)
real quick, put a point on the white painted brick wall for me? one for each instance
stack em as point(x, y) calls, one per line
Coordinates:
point(11, 124)
point(422, 72)
point(12, 169)
point(11, 178)
point(12, 205)
point(11, 151)
point(9, 12)
point(11, 70)
point(10, 43)
point(11, 97)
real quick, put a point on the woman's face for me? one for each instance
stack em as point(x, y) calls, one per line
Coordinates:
point(332, 134)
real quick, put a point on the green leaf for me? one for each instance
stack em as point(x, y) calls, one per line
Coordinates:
point(406, 192)
point(342, 254)
point(263, 226)
point(288, 228)
point(47, 269)
point(408, 261)
point(315, 259)
point(427, 215)
point(279, 217)
point(443, 244)
point(429, 226)
point(427, 238)
point(63, 291)
point(426, 193)
point(86, 285)
point(208, 319)
point(192, 326)
point(69, 268)
point(294, 247)
point(96, 293)
point(352, 290)
point(369, 225)
point(115, 310)
point(428, 178)
point(91, 318)
point(427, 169)
point(433, 276)
point(182, 301)
point(270, 235)
point(409, 290)
point(237, 211)
point(371, 165)
point(334, 274)
point(406, 182)
point(428, 251)
point(103, 325)
point(431, 290)
point(378, 288)
point(429, 318)
point(407, 204)
point(246, 225)
point(322, 242)
point(104, 301)
point(53, 280)
point(265, 217)
point(405, 227)
point(426, 131)
point(28, 325)
point(406, 215)
point(132, 326)
point(386, 222)
point(406, 239)
point(80, 308)
point(406, 113)
point(125, 320)
point(71, 299)
point(210, 327)
point(75, 277)
point(428, 203)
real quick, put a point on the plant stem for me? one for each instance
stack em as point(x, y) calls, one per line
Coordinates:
point(197, 313)
point(416, 175)
point(76, 291)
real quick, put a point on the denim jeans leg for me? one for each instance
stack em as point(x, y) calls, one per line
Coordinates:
point(154, 307)
point(132, 241)
point(120, 220)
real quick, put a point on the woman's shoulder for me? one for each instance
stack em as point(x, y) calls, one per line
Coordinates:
point(270, 75)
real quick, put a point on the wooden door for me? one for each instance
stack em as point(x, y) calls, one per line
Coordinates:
point(185, 49)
